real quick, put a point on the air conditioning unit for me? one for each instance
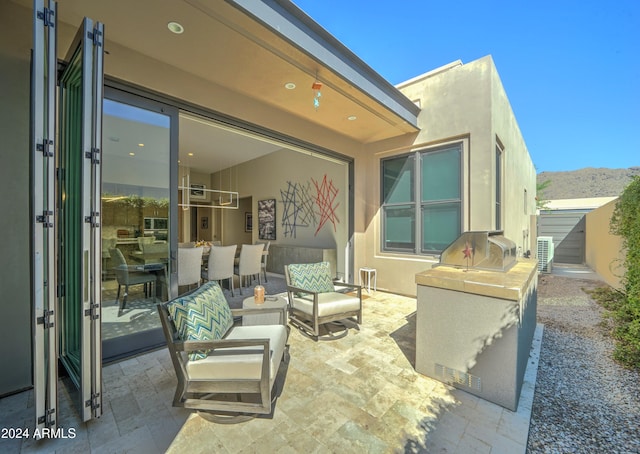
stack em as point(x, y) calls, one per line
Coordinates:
point(545, 254)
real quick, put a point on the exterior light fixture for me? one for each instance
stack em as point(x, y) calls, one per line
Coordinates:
point(289, 85)
point(316, 86)
point(175, 27)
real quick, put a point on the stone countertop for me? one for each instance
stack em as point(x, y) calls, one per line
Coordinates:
point(511, 285)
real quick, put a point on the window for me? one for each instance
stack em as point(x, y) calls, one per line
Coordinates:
point(498, 188)
point(421, 200)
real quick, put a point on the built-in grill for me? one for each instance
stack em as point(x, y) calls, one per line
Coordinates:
point(481, 250)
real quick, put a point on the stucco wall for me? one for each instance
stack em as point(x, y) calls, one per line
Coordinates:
point(603, 251)
point(15, 305)
point(518, 170)
point(467, 104)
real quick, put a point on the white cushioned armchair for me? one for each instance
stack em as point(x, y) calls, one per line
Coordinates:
point(225, 372)
point(314, 301)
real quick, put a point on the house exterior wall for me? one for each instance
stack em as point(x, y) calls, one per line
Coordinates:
point(15, 282)
point(460, 103)
point(603, 251)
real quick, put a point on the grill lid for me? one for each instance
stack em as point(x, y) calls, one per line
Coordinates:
point(480, 250)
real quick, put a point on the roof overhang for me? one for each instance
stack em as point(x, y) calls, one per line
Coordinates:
point(250, 48)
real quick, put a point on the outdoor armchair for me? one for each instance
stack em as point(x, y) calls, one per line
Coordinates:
point(225, 372)
point(314, 301)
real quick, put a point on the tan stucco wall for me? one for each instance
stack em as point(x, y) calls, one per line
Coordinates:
point(467, 104)
point(603, 251)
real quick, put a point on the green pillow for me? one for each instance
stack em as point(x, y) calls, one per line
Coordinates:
point(315, 277)
point(201, 315)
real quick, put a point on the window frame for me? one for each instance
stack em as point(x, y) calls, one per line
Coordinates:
point(417, 204)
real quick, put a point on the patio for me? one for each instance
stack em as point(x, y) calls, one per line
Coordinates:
point(356, 394)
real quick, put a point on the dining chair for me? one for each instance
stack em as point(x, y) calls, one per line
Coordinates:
point(250, 263)
point(265, 256)
point(127, 277)
point(220, 264)
point(189, 266)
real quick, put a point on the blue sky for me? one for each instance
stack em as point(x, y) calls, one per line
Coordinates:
point(571, 69)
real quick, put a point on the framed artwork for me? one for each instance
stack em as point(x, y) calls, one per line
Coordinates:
point(248, 222)
point(267, 219)
point(198, 191)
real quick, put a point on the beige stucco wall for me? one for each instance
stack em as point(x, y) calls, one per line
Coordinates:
point(467, 104)
point(603, 251)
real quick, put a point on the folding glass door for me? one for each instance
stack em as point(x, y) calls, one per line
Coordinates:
point(66, 215)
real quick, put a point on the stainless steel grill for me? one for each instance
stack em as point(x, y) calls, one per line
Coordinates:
point(480, 250)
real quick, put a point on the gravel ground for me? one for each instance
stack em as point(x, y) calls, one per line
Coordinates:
point(584, 402)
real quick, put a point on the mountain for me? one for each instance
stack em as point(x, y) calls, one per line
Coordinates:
point(587, 182)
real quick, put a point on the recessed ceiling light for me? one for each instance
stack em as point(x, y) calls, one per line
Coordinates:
point(141, 145)
point(289, 85)
point(190, 154)
point(132, 154)
point(351, 117)
point(175, 27)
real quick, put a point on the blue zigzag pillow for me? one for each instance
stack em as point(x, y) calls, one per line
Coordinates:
point(315, 277)
point(201, 315)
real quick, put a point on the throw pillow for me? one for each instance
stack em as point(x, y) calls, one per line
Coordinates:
point(201, 315)
point(315, 277)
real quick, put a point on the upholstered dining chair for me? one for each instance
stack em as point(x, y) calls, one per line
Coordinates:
point(189, 265)
point(220, 264)
point(265, 257)
point(126, 276)
point(250, 263)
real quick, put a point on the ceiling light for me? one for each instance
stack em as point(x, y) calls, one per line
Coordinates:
point(132, 154)
point(351, 117)
point(141, 145)
point(175, 27)
point(289, 85)
point(190, 154)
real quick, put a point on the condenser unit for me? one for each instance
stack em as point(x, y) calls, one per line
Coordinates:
point(545, 254)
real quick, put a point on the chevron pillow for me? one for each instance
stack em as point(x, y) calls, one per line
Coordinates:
point(201, 315)
point(315, 277)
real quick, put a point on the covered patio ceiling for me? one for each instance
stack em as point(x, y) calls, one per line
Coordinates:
point(254, 49)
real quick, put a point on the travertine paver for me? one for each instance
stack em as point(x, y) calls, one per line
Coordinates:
point(355, 394)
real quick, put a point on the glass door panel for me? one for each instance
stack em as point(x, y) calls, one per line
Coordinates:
point(79, 138)
point(135, 223)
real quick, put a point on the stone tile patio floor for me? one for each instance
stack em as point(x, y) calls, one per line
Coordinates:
point(355, 394)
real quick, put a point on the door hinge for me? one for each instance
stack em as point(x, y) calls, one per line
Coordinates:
point(95, 36)
point(93, 219)
point(93, 401)
point(47, 420)
point(48, 17)
point(46, 319)
point(92, 312)
point(44, 148)
point(94, 155)
point(44, 219)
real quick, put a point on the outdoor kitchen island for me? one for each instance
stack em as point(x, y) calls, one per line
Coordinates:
point(476, 316)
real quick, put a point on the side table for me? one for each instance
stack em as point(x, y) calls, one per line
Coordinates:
point(371, 272)
point(270, 318)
